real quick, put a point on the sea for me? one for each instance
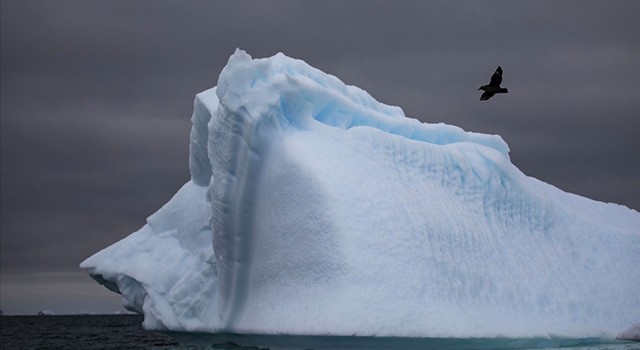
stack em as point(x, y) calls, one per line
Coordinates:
point(126, 332)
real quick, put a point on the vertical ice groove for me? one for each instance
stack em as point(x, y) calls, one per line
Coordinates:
point(236, 162)
point(224, 160)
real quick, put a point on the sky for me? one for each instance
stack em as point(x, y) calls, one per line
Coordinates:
point(96, 100)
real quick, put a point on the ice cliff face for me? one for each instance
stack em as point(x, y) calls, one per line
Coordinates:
point(314, 209)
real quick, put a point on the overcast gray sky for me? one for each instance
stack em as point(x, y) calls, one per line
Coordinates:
point(96, 98)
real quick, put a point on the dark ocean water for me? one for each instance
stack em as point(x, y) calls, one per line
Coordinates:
point(126, 332)
point(79, 332)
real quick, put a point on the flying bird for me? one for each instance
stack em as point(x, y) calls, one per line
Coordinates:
point(494, 86)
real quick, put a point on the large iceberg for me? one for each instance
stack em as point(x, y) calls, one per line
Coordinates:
point(314, 209)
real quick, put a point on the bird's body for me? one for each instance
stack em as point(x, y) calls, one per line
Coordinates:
point(494, 86)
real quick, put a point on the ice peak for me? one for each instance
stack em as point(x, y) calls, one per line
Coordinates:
point(301, 95)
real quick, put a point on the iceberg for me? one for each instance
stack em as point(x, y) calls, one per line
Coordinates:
point(314, 209)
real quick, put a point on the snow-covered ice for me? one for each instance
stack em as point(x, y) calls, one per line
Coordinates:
point(314, 209)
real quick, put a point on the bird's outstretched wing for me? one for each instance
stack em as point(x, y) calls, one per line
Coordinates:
point(496, 78)
point(486, 95)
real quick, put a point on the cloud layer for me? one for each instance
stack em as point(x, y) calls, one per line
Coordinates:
point(96, 97)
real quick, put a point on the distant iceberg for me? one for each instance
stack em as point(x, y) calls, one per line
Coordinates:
point(633, 333)
point(314, 209)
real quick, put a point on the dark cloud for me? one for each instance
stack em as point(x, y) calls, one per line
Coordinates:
point(97, 95)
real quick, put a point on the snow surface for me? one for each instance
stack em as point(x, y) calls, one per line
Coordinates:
point(315, 209)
